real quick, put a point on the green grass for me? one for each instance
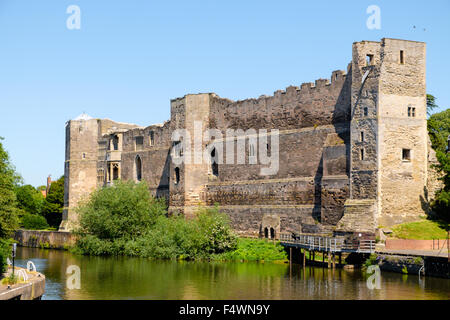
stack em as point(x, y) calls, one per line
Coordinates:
point(254, 250)
point(420, 230)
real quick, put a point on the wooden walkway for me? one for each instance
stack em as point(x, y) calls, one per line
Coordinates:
point(327, 244)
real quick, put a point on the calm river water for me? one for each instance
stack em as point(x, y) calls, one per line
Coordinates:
point(132, 278)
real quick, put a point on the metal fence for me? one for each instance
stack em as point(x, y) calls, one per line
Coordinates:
point(332, 244)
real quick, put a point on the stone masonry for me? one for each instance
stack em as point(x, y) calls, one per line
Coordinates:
point(353, 150)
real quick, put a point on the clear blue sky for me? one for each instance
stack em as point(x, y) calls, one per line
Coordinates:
point(131, 57)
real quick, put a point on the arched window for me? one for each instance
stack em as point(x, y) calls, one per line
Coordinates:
point(138, 165)
point(214, 164)
point(266, 233)
point(177, 175)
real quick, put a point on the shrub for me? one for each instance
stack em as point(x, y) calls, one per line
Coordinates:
point(123, 211)
point(4, 253)
point(34, 222)
point(125, 220)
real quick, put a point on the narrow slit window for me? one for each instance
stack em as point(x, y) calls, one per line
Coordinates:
point(177, 175)
point(411, 111)
point(151, 138)
point(362, 136)
point(214, 164)
point(362, 154)
point(366, 111)
point(402, 57)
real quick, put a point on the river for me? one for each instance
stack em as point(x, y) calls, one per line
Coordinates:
point(134, 278)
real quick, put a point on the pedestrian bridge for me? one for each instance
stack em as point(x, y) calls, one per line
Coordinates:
point(327, 244)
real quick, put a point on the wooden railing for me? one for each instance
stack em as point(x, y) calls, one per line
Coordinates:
point(332, 244)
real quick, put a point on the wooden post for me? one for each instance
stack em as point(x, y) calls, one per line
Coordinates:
point(329, 259)
point(290, 256)
point(304, 258)
point(340, 258)
point(334, 260)
point(314, 256)
point(323, 257)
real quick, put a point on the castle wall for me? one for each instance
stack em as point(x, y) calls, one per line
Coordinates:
point(154, 156)
point(313, 135)
point(340, 150)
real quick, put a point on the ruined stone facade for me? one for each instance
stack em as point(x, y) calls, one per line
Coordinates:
point(353, 150)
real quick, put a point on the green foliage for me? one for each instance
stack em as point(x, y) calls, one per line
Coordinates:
point(4, 253)
point(53, 204)
point(125, 220)
point(123, 211)
point(10, 280)
point(439, 130)
point(372, 260)
point(431, 103)
point(254, 250)
point(405, 270)
point(29, 199)
point(8, 179)
point(34, 222)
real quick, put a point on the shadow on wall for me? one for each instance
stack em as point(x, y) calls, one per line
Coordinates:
point(162, 191)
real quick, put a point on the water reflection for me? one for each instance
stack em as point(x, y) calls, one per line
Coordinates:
point(132, 278)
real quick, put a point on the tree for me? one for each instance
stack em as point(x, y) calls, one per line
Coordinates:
point(125, 210)
point(439, 131)
point(29, 199)
point(9, 220)
point(8, 211)
point(431, 103)
point(54, 202)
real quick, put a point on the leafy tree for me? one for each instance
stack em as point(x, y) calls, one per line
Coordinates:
point(54, 202)
point(431, 103)
point(125, 220)
point(29, 199)
point(8, 211)
point(439, 131)
point(9, 220)
point(125, 210)
point(34, 222)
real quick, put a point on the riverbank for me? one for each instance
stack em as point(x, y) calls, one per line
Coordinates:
point(44, 239)
point(32, 288)
point(248, 249)
point(118, 277)
point(417, 263)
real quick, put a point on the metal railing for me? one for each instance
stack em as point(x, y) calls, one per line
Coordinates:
point(332, 244)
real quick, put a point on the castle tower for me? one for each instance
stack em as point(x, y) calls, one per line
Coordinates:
point(188, 179)
point(388, 158)
point(402, 131)
point(80, 168)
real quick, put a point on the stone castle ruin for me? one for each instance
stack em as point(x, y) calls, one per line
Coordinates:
point(353, 151)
